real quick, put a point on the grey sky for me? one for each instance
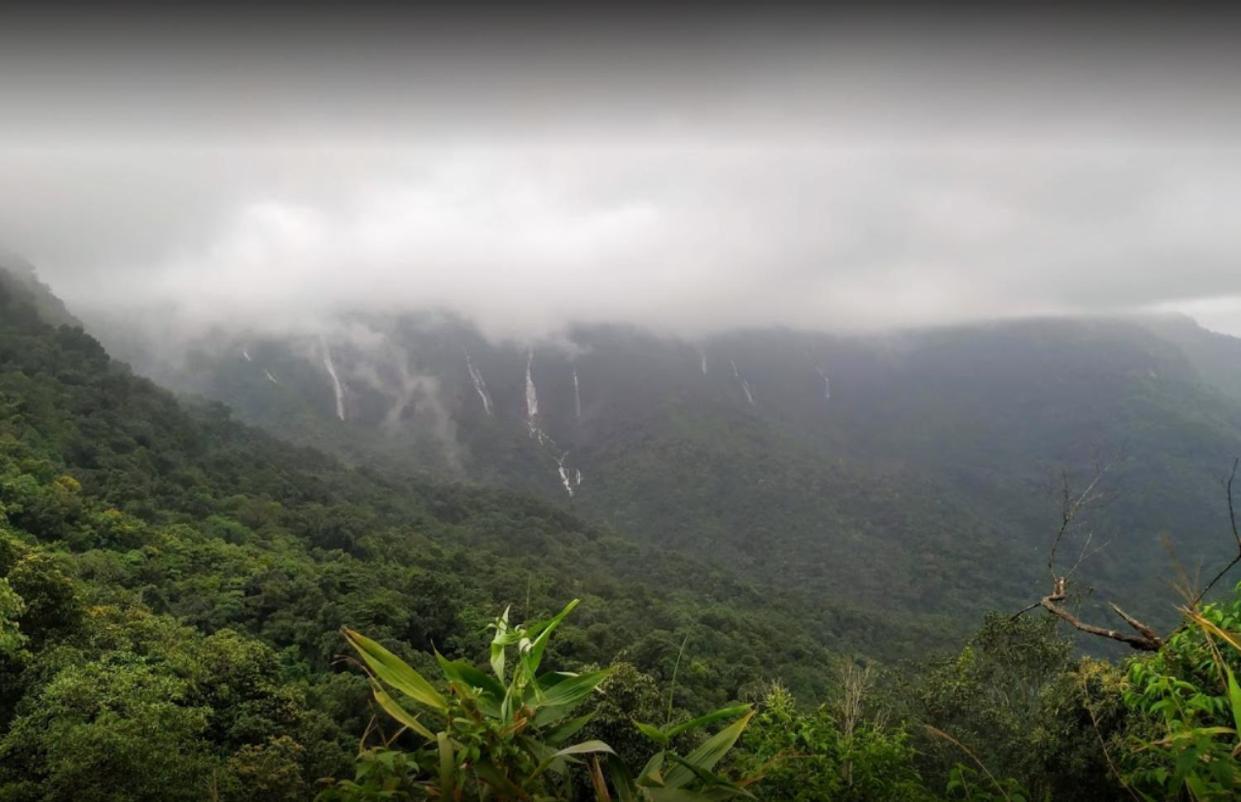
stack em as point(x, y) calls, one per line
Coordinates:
point(830, 175)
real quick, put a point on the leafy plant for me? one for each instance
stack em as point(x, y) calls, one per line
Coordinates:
point(828, 753)
point(1191, 693)
point(670, 777)
point(500, 736)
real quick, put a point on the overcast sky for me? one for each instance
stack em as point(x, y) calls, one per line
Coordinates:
point(689, 174)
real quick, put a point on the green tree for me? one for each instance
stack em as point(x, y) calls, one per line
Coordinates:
point(112, 731)
point(1016, 699)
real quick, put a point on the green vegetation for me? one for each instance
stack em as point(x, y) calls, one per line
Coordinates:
point(912, 501)
point(1013, 716)
point(139, 538)
point(504, 736)
point(173, 587)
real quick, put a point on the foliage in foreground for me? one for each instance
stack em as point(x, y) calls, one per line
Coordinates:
point(1188, 702)
point(504, 735)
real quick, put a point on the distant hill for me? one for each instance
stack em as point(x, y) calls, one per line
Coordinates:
point(910, 473)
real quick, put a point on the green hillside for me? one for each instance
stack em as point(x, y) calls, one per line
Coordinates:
point(913, 473)
point(173, 587)
point(174, 554)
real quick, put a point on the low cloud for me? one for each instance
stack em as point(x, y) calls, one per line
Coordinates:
point(805, 174)
point(525, 242)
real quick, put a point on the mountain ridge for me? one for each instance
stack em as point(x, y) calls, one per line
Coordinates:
point(791, 456)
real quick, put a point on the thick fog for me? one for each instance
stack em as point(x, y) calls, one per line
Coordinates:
point(817, 173)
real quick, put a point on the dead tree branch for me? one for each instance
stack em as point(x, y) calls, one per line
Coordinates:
point(1146, 639)
point(1071, 507)
point(1236, 535)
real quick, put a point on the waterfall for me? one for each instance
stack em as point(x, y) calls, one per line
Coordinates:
point(480, 386)
point(577, 395)
point(571, 479)
point(745, 385)
point(331, 370)
point(532, 395)
point(827, 385)
point(532, 400)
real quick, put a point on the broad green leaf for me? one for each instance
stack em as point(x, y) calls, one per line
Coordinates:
point(1234, 697)
point(567, 729)
point(654, 733)
point(711, 781)
point(584, 748)
point(466, 674)
point(550, 716)
point(568, 689)
point(622, 781)
point(395, 671)
point(535, 656)
point(709, 753)
point(1197, 787)
point(702, 721)
point(651, 771)
point(447, 766)
point(394, 709)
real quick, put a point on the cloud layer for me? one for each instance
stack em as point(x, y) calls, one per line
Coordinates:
point(749, 175)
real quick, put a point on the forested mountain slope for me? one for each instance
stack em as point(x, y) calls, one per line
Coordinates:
point(917, 472)
point(172, 584)
point(196, 572)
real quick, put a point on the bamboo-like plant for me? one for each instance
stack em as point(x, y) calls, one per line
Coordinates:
point(501, 736)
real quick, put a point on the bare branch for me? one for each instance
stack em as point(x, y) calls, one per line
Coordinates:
point(1087, 553)
point(1146, 638)
point(1232, 510)
point(1146, 631)
point(1071, 506)
point(1024, 610)
point(1232, 520)
point(1146, 641)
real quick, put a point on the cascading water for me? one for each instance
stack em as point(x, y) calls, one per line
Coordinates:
point(827, 385)
point(570, 479)
point(745, 385)
point(577, 395)
point(532, 399)
point(480, 386)
point(336, 386)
